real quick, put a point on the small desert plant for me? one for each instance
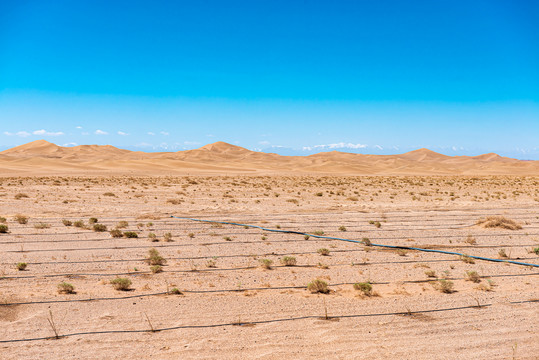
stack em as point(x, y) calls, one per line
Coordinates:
point(471, 240)
point(323, 251)
point(473, 276)
point(227, 238)
point(342, 228)
point(21, 266)
point(318, 286)
point(156, 269)
point(366, 241)
point(79, 224)
point(109, 194)
point(306, 237)
point(154, 258)
point(266, 263)
point(21, 219)
point(488, 286)
point(467, 259)
point(536, 250)
point(211, 263)
point(499, 222)
point(122, 284)
point(430, 273)
point(152, 237)
point(42, 226)
point(364, 287)
point(20, 196)
point(3, 228)
point(502, 254)
point(175, 291)
point(167, 237)
point(100, 228)
point(191, 235)
point(318, 232)
point(2, 220)
point(445, 286)
point(288, 261)
point(67, 222)
point(402, 252)
point(130, 234)
point(93, 220)
point(319, 194)
point(65, 288)
point(122, 225)
point(116, 233)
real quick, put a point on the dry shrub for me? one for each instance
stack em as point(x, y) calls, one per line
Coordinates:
point(121, 284)
point(499, 222)
point(318, 286)
point(66, 288)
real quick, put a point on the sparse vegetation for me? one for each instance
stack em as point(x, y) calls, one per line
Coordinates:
point(3, 228)
point(342, 228)
point(116, 233)
point(445, 286)
point(156, 269)
point(121, 284)
point(130, 234)
point(364, 287)
point(430, 273)
point(154, 258)
point(499, 222)
point(67, 222)
point(66, 288)
point(318, 286)
point(288, 261)
point(266, 263)
point(93, 220)
point(467, 259)
point(473, 276)
point(167, 237)
point(21, 266)
point(502, 254)
point(42, 226)
point(323, 251)
point(21, 219)
point(100, 228)
point(79, 224)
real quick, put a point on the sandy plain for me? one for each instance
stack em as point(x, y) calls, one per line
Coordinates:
point(231, 306)
point(234, 308)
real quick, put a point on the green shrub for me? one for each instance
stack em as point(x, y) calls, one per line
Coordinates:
point(266, 263)
point(122, 284)
point(65, 288)
point(364, 287)
point(4, 228)
point(21, 266)
point(153, 237)
point(323, 251)
point(156, 269)
point(154, 258)
point(288, 261)
point(130, 234)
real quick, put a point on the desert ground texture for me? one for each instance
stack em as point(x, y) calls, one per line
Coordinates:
point(219, 291)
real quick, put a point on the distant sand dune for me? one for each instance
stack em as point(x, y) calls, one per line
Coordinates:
point(44, 157)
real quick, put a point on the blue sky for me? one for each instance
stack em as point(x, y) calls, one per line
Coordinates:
point(295, 77)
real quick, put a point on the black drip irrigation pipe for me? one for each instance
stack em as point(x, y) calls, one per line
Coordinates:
point(357, 241)
point(257, 322)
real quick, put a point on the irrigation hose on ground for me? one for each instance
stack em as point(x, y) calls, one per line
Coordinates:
point(356, 241)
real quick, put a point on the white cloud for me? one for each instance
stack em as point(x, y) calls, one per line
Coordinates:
point(378, 147)
point(23, 134)
point(78, 127)
point(191, 143)
point(210, 135)
point(340, 145)
point(151, 133)
point(101, 132)
point(70, 144)
point(122, 133)
point(264, 142)
point(164, 133)
point(47, 133)
point(8, 133)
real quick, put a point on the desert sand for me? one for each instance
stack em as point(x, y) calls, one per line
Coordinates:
point(237, 299)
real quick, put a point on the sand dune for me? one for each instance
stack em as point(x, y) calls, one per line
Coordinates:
point(43, 156)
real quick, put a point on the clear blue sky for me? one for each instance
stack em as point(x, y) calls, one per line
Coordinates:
point(459, 77)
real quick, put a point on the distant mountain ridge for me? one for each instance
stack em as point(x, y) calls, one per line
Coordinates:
point(217, 157)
